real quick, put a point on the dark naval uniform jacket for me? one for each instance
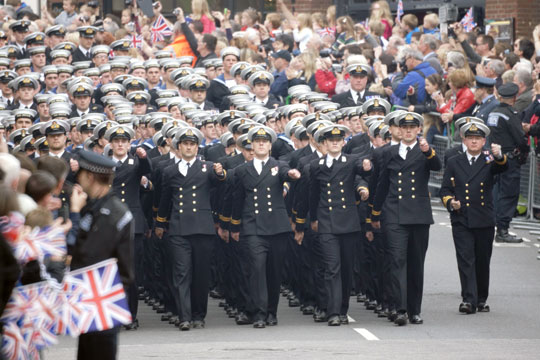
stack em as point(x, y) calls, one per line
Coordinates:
point(472, 185)
point(402, 193)
point(126, 185)
point(332, 194)
point(185, 200)
point(258, 207)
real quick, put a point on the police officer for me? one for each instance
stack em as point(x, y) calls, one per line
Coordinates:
point(466, 192)
point(260, 215)
point(403, 195)
point(185, 204)
point(506, 130)
point(105, 231)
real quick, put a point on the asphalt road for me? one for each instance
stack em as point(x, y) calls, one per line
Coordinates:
point(510, 331)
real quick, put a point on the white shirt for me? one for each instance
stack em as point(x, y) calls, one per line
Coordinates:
point(319, 154)
point(123, 160)
point(259, 164)
point(330, 160)
point(392, 142)
point(259, 101)
point(82, 113)
point(22, 106)
point(84, 51)
point(59, 155)
point(357, 95)
point(183, 166)
point(313, 148)
point(469, 157)
point(464, 147)
point(403, 149)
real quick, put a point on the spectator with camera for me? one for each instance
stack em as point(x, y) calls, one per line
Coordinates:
point(416, 69)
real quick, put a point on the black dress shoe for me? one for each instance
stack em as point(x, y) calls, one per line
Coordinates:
point(155, 305)
point(401, 319)
point(198, 324)
point(151, 302)
point(416, 319)
point(344, 319)
point(174, 319)
point(243, 319)
point(503, 236)
point(271, 320)
point(360, 298)
point(160, 309)
point(334, 321)
point(371, 305)
point(294, 302)
point(222, 304)
point(166, 317)
point(133, 326)
point(392, 315)
point(319, 316)
point(214, 294)
point(483, 307)
point(232, 313)
point(466, 308)
point(308, 310)
point(290, 295)
point(383, 313)
point(259, 324)
point(185, 326)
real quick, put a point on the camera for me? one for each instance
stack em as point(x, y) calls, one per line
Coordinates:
point(338, 68)
point(130, 26)
point(176, 12)
point(325, 53)
point(451, 33)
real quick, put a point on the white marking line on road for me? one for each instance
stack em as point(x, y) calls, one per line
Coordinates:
point(526, 240)
point(509, 245)
point(537, 245)
point(368, 335)
point(351, 320)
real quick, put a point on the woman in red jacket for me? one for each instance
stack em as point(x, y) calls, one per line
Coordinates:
point(462, 96)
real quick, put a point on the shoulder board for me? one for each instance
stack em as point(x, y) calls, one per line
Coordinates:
point(497, 114)
point(124, 220)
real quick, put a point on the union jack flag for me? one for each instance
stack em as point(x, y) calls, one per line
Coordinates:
point(400, 11)
point(468, 21)
point(71, 308)
point(11, 226)
point(39, 243)
point(160, 29)
point(103, 298)
point(14, 345)
point(137, 41)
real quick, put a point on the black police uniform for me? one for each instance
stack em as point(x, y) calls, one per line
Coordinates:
point(185, 204)
point(506, 130)
point(403, 196)
point(473, 224)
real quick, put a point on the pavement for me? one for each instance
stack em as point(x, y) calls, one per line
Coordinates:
point(510, 331)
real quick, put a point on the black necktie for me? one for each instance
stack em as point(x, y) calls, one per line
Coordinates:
point(407, 153)
point(119, 163)
point(262, 165)
point(358, 99)
point(473, 159)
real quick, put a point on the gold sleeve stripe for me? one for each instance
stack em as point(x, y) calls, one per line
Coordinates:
point(446, 198)
point(432, 154)
point(161, 219)
point(235, 222)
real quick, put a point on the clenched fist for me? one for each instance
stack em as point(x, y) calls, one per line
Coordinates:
point(424, 146)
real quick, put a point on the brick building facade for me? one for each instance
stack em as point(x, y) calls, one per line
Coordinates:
point(526, 14)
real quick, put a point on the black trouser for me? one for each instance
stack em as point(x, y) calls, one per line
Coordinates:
point(321, 295)
point(373, 255)
point(102, 345)
point(266, 256)
point(169, 295)
point(407, 246)
point(191, 272)
point(506, 194)
point(133, 293)
point(338, 256)
point(240, 273)
point(306, 275)
point(361, 275)
point(473, 252)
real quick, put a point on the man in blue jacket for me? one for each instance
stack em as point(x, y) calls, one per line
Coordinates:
point(412, 62)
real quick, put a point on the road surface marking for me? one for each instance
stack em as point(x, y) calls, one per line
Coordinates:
point(519, 245)
point(351, 320)
point(526, 240)
point(368, 335)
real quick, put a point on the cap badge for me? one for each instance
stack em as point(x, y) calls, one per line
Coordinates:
point(336, 131)
point(120, 131)
point(55, 125)
point(261, 132)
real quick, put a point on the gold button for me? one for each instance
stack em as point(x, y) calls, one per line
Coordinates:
point(341, 183)
point(181, 204)
point(194, 202)
point(194, 187)
point(270, 209)
point(194, 210)
point(194, 194)
point(412, 173)
point(267, 189)
point(412, 189)
point(399, 174)
point(330, 208)
point(181, 196)
point(328, 184)
point(399, 189)
point(123, 192)
point(399, 197)
point(344, 206)
point(254, 190)
point(256, 204)
point(269, 196)
point(329, 200)
point(481, 184)
point(412, 181)
point(466, 191)
point(180, 189)
point(481, 197)
point(329, 192)
point(63, 199)
point(468, 204)
point(482, 204)
point(255, 197)
point(466, 184)
point(63, 192)
point(481, 190)
point(180, 211)
point(413, 196)
point(123, 184)
point(399, 181)
point(466, 198)
point(342, 190)
point(269, 203)
point(123, 200)
point(342, 199)
point(256, 211)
